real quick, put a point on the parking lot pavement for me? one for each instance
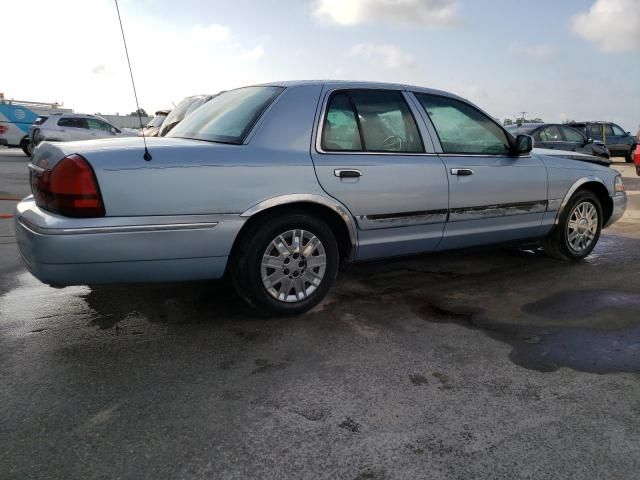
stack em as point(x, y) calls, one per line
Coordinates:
point(485, 364)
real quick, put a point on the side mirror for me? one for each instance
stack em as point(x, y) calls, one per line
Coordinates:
point(113, 130)
point(589, 140)
point(628, 133)
point(523, 145)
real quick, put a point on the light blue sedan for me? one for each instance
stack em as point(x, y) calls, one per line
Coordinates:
point(277, 185)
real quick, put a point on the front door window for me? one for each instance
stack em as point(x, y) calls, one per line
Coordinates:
point(462, 128)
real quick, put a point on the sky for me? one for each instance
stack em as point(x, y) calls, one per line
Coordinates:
point(556, 60)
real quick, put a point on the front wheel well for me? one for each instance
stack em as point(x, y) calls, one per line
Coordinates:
point(330, 217)
point(603, 195)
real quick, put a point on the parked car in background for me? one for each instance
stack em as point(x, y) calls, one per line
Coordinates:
point(152, 129)
point(636, 159)
point(67, 127)
point(277, 184)
point(560, 137)
point(182, 110)
point(583, 157)
point(16, 116)
point(619, 142)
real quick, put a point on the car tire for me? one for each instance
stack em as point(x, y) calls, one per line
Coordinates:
point(578, 228)
point(27, 148)
point(628, 157)
point(36, 137)
point(286, 264)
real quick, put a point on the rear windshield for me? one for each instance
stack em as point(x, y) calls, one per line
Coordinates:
point(229, 117)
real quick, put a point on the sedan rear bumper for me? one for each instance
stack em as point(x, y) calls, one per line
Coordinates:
point(64, 251)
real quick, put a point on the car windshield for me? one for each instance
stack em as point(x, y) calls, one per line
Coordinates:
point(177, 114)
point(157, 120)
point(227, 118)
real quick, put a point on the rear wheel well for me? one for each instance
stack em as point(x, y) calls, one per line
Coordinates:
point(603, 195)
point(331, 218)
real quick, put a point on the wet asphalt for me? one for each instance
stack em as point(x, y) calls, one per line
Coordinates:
point(495, 363)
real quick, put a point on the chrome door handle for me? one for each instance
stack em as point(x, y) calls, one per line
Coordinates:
point(463, 172)
point(347, 173)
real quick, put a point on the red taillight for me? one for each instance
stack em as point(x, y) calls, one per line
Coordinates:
point(3, 129)
point(70, 189)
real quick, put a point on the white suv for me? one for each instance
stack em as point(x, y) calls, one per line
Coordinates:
point(67, 127)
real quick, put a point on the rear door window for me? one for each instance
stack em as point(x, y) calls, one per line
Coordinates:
point(572, 136)
point(95, 124)
point(340, 130)
point(595, 130)
point(386, 123)
point(551, 134)
point(376, 121)
point(73, 123)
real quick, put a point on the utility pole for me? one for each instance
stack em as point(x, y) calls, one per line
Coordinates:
point(523, 116)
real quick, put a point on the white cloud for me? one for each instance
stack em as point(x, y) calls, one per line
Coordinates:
point(254, 54)
point(98, 70)
point(612, 25)
point(413, 12)
point(389, 56)
point(169, 60)
point(213, 33)
point(543, 50)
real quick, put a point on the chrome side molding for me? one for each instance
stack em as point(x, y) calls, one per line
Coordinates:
point(116, 229)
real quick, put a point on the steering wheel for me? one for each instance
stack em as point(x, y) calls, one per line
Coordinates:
point(394, 142)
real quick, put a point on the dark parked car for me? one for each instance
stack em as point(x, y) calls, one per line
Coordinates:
point(152, 129)
point(620, 143)
point(560, 137)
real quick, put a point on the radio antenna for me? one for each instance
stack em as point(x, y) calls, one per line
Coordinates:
point(147, 155)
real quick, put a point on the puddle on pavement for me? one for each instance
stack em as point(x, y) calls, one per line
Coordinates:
point(583, 302)
point(612, 348)
point(548, 348)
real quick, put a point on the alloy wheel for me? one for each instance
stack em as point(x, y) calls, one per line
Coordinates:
point(582, 226)
point(293, 265)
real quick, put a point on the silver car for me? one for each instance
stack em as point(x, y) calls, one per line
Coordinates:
point(68, 127)
point(277, 185)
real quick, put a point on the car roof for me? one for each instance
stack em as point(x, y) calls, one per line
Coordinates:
point(527, 126)
point(331, 84)
point(195, 97)
point(75, 115)
point(590, 121)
